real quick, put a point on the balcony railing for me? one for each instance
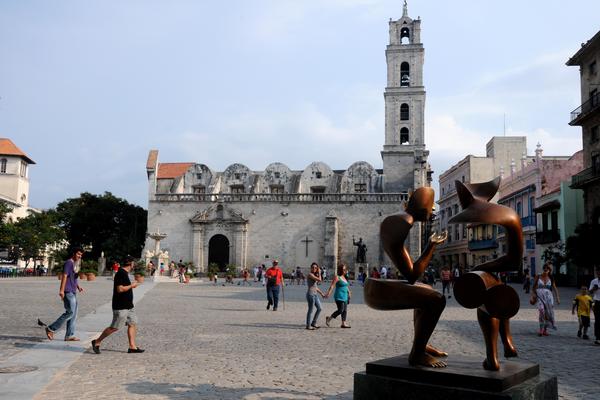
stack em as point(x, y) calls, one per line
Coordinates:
point(545, 237)
point(584, 177)
point(528, 221)
point(483, 244)
point(285, 197)
point(580, 112)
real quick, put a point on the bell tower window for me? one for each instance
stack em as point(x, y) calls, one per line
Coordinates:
point(404, 135)
point(405, 35)
point(404, 74)
point(3, 166)
point(404, 112)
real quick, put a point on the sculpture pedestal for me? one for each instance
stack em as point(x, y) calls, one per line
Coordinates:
point(464, 378)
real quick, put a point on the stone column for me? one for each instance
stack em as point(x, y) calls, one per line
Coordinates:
point(198, 247)
point(331, 243)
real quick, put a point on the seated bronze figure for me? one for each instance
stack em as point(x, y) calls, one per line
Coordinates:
point(496, 303)
point(387, 294)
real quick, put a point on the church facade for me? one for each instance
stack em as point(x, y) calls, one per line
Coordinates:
point(244, 217)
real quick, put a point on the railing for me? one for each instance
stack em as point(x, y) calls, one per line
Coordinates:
point(584, 177)
point(545, 237)
point(587, 107)
point(483, 244)
point(287, 197)
point(528, 221)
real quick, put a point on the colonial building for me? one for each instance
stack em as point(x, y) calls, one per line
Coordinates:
point(588, 117)
point(466, 247)
point(14, 179)
point(528, 191)
point(244, 217)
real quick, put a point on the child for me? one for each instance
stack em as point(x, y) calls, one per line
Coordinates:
point(582, 302)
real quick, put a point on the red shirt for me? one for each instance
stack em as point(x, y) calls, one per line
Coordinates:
point(445, 275)
point(275, 272)
point(375, 275)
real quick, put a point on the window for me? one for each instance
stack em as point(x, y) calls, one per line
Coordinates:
point(594, 98)
point(596, 163)
point(404, 35)
point(237, 189)
point(360, 187)
point(317, 189)
point(449, 212)
point(404, 112)
point(23, 198)
point(593, 68)
point(198, 176)
point(236, 175)
point(404, 135)
point(199, 189)
point(464, 231)
point(3, 166)
point(404, 74)
point(276, 188)
point(519, 209)
point(277, 175)
point(554, 217)
point(318, 175)
point(455, 209)
point(594, 134)
point(443, 191)
point(463, 179)
point(23, 169)
point(456, 232)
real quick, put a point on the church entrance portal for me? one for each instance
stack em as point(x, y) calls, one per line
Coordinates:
point(218, 251)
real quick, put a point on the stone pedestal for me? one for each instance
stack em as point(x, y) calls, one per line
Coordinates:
point(464, 378)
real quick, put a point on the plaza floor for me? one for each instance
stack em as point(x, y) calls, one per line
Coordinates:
point(215, 342)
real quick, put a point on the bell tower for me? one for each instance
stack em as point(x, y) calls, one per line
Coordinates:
point(404, 155)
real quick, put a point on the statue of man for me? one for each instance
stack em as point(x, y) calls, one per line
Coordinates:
point(361, 250)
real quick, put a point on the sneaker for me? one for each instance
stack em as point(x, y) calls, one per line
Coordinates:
point(310, 327)
point(315, 326)
point(136, 350)
point(268, 306)
point(274, 308)
point(345, 326)
point(95, 347)
point(586, 337)
point(327, 320)
point(579, 333)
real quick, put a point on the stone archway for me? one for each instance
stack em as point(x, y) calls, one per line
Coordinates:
point(218, 251)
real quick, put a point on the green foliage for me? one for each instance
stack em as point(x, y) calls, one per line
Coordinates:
point(555, 254)
point(231, 270)
point(110, 224)
point(213, 269)
point(5, 235)
point(139, 268)
point(581, 247)
point(29, 236)
point(89, 266)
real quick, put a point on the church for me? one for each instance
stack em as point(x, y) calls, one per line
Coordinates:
point(244, 217)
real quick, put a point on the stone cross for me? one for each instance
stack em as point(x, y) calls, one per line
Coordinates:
point(306, 242)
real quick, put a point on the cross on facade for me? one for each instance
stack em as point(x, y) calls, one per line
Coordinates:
point(306, 242)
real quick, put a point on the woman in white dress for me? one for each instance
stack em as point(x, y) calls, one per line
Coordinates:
point(543, 298)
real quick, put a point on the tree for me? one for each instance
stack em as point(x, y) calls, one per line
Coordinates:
point(110, 224)
point(555, 254)
point(30, 236)
point(581, 247)
point(4, 226)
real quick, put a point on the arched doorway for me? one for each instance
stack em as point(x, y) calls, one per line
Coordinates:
point(218, 251)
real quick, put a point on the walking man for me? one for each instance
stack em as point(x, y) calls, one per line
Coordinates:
point(595, 292)
point(123, 312)
point(446, 281)
point(69, 287)
point(274, 277)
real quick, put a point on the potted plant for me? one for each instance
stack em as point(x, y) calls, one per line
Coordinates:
point(189, 271)
point(90, 269)
point(139, 274)
point(230, 273)
point(213, 270)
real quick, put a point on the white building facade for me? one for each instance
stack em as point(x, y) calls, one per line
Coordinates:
point(244, 217)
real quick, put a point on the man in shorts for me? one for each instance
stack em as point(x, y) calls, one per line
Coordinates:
point(123, 313)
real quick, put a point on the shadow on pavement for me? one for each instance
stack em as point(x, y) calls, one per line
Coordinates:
point(37, 339)
point(208, 391)
point(270, 326)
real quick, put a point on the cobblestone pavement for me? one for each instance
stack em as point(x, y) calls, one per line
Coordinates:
point(24, 300)
point(215, 342)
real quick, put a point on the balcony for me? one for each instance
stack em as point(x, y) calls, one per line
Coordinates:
point(545, 237)
point(528, 221)
point(585, 177)
point(530, 244)
point(581, 112)
point(284, 197)
point(483, 244)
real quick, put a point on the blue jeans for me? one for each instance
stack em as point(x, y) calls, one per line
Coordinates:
point(273, 295)
point(69, 316)
point(313, 301)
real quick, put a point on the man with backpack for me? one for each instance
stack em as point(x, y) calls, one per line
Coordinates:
point(274, 276)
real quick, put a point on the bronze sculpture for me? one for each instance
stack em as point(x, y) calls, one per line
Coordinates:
point(361, 250)
point(496, 303)
point(387, 294)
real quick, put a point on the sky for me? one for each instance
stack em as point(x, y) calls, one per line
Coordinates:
point(87, 88)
